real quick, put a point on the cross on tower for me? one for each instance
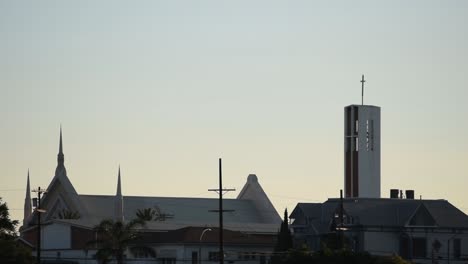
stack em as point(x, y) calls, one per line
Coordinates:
point(362, 86)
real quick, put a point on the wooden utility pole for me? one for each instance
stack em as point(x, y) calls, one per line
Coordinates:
point(221, 191)
point(38, 212)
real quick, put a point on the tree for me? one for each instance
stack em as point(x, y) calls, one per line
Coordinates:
point(115, 237)
point(7, 226)
point(152, 214)
point(284, 242)
point(11, 251)
point(146, 214)
point(67, 214)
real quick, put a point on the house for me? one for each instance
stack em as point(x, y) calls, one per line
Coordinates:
point(184, 231)
point(423, 231)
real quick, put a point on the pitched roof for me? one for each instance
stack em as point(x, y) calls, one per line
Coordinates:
point(183, 211)
point(383, 212)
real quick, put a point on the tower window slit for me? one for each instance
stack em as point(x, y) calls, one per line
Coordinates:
point(371, 135)
point(367, 135)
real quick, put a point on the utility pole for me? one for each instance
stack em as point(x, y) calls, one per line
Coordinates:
point(39, 211)
point(221, 192)
point(341, 220)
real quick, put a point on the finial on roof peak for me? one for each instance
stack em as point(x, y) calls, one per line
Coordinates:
point(252, 178)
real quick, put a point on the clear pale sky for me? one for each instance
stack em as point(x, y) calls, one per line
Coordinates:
point(165, 88)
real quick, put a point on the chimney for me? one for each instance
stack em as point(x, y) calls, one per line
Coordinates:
point(394, 193)
point(409, 194)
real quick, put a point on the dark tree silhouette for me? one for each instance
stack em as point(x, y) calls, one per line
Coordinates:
point(284, 242)
point(67, 214)
point(11, 251)
point(7, 226)
point(115, 237)
point(146, 214)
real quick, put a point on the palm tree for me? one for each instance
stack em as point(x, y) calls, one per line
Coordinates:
point(152, 214)
point(67, 214)
point(114, 238)
point(146, 214)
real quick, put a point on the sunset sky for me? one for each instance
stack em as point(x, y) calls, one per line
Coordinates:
point(165, 88)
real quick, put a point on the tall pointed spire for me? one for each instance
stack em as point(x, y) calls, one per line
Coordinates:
point(119, 188)
point(60, 144)
point(27, 203)
point(119, 215)
point(60, 157)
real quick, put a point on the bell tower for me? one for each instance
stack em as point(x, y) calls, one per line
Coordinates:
point(362, 150)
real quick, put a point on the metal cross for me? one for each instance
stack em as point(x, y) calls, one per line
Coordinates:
point(362, 85)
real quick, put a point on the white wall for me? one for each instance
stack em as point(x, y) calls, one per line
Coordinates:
point(381, 243)
point(56, 236)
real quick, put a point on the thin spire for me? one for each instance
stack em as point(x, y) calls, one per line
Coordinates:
point(119, 190)
point(60, 144)
point(119, 206)
point(60, 157)
point(27, 203)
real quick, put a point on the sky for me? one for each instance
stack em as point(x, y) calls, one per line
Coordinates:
point(165, 88)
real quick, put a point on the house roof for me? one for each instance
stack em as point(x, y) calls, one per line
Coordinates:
point(382, 212)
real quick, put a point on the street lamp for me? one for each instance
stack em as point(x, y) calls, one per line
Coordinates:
point(199, 246)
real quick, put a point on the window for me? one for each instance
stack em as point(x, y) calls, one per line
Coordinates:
point(194, 257)
point(419, 247)
point(457, 248)
point(213, 256)
point(253, 255)
point(367, 135)
point(167, 260)
point(371, 135)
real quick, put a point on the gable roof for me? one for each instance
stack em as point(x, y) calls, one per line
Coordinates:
point(385, 212)
point(190, 210)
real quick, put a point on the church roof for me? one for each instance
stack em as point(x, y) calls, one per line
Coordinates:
point(251, 211)
point(179, 209)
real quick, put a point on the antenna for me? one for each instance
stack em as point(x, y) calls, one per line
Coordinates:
point(362, 89)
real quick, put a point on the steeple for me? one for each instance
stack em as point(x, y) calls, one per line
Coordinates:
point(119, 201)
point(27, 203)
point(60, 157)
point(119, 188)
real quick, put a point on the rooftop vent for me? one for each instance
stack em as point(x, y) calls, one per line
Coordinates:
point(394, 193)
point(409, 194)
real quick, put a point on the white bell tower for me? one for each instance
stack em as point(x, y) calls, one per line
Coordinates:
point(362, 150)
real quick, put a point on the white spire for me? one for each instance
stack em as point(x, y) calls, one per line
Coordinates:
point(119, 201)
point(27, 203)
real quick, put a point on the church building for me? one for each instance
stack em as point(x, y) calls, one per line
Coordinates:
point(423, 231)
point(183, 228)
